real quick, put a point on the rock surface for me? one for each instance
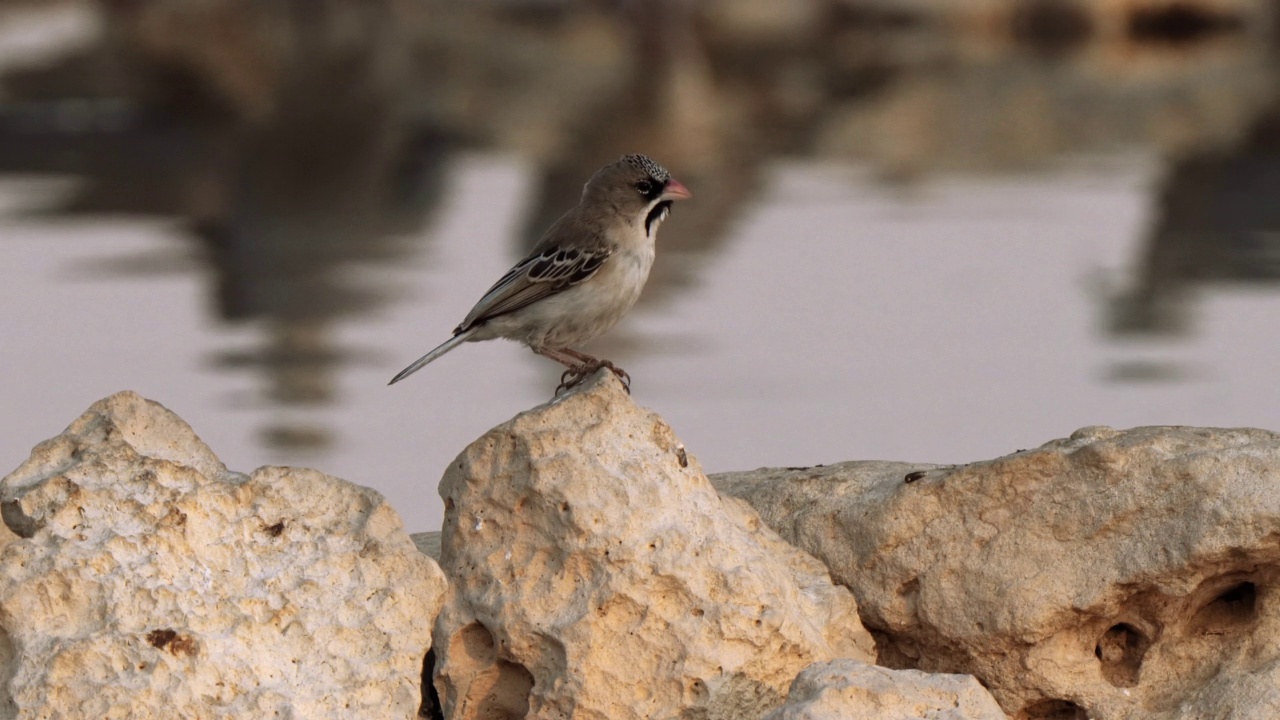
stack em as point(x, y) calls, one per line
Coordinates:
point(850, 689)
point(1109, 575)
point(150, 582)
point(596, 574)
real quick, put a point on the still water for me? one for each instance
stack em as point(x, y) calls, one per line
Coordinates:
point(938, 267)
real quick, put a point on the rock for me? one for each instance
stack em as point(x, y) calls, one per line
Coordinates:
point(150, 582)
point(1109, 575)
point(595, 573)
point(850, 689)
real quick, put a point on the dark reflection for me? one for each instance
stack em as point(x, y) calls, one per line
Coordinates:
point(1218, 222)
point(286, 135)
point(1181, 22)
point(300, 139)
point(672, 101)
point(1052, 27)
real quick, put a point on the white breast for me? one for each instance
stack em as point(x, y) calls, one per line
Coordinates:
point(583, 311)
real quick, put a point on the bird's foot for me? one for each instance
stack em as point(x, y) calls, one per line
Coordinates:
point(622, 375)
point(576, 374)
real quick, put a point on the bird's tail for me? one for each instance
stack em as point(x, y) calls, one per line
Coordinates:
point(444, 347)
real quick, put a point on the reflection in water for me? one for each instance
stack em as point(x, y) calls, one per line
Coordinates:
point(293, 162)
point(1218, 223)
point(301, 140)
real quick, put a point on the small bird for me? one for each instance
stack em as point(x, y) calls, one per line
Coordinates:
point(582, 276)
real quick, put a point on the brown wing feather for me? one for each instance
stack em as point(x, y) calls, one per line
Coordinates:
point(538, 276)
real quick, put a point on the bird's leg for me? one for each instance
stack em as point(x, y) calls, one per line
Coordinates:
point(564, 358)
point(581, 357)
point(575, 375)
point(595, 364)
point(580, 366)
point(623, 375)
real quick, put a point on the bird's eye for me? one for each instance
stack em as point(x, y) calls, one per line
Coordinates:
point(645, 187)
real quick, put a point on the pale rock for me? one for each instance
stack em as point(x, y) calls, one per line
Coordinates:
point(150, 582)
point(1109, 575)
point(843, 689)
point(596, 574)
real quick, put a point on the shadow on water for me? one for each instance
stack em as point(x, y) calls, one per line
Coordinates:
point(299, 140)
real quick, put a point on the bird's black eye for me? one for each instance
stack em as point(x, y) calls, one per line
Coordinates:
point(645, 187)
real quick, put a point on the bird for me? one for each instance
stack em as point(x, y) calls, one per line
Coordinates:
point(581, 277)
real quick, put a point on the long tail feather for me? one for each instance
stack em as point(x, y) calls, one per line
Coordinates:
point(445, 347)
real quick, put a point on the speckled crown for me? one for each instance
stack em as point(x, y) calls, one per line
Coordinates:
point(656, 171)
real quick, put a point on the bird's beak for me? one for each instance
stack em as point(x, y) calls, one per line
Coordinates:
point(675, 190)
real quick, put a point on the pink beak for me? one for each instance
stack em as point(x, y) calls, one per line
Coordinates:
point(675, 190)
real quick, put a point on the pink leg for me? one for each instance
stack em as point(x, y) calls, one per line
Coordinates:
point(582, 357)
point(580, 366)
point(560, 356)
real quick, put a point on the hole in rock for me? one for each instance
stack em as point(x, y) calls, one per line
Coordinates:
point(910, 587)
point(910, 593)
point(1053, 709)
point(476, 643)
point(1120, 651)
point(500, 693)
point(21, 525)
point(1231, 609)
point(488, 686)
point(7, 669)
point(430, 707)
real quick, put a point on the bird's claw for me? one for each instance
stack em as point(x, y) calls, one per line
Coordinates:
point(575, 375)
point(622, 374)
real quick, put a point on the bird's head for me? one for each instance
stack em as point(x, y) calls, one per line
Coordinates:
point(636, 187)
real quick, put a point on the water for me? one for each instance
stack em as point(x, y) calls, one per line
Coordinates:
point(938, 255)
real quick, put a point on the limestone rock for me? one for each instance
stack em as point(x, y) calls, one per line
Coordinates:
point(150, 582)
point(1109, 575)
point(850, 689)
point(596, 574)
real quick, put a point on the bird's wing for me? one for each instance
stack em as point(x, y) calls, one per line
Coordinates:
point(542, 274)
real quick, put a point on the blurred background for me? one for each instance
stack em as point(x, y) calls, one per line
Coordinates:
point(925, 230)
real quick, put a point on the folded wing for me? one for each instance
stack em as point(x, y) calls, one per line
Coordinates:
point(536, 277)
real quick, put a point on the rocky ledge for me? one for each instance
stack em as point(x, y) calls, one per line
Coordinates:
point(587, 568)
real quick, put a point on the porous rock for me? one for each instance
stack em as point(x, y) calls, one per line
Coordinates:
point(150, 582)
point(843, 689)
point(1112, 574)
point(596, 574)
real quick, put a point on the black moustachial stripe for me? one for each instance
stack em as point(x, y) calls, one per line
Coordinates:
point(658, 212)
